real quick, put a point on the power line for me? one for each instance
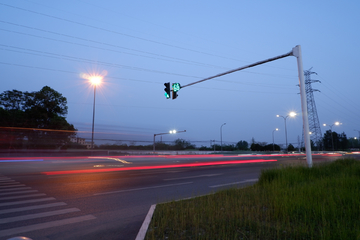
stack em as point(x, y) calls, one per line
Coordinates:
point(168, 58)
point(110, 31)
point(173, 59)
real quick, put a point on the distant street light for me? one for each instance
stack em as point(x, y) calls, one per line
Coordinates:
point(291, 114)
point(212, 141)
point(359, 134)
point(94, 80)
point(221, 135)
point(276, 129)
point(332, 138)
point(170, 132)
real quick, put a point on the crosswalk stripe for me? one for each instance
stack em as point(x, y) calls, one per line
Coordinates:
point(18, 185)
point(40, 226)
point(26, 201)
point(8, 183)
point(19, 192)
point(6, 180)
point(38, 215)
point(21, 209)
point(23, 196)
point(14, 189)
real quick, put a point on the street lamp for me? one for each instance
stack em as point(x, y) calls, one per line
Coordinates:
point(276, 129)
point(170, 132)
point(221, 135)
point(332, 138)
point(94, 80)
point(291, 114)
point(359, 134)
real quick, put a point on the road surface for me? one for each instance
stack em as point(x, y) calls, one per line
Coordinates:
point(109, 197)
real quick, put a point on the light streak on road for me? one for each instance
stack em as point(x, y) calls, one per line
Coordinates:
point(159, 166)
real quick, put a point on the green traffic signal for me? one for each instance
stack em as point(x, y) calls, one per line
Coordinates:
point(167, 90)
point(176, 87)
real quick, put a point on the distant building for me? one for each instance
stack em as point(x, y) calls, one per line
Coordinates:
point(81, 141)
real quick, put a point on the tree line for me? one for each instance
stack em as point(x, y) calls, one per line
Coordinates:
point(37, 120)
point(34, 119)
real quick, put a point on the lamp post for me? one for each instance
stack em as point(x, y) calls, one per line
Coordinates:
point(332, 138)
point(170, 132)
point(291, 114)
point(221, 135)
point(359, 135)
point(276, 129)
point(94, 80)
point(212, 141)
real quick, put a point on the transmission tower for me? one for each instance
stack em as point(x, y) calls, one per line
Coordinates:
point(314, 124)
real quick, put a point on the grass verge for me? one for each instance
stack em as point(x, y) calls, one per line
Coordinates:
point(293, 202)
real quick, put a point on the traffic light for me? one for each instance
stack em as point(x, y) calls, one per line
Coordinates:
point(167, 90)
point(175, 88)
point(174, 95)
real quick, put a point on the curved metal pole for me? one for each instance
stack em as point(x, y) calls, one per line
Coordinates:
point(286, 147)
point(221, 135)
point(93, 120)
point(296, 52)
point(273, 139)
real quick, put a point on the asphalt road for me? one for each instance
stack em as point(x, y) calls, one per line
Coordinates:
point(109, 197)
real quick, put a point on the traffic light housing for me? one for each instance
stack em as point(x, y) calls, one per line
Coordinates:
point(174, 95)
point(167, 90)
point(175, 88)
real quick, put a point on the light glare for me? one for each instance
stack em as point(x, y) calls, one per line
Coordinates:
point(292, 114)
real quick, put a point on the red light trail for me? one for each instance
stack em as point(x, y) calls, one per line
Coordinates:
point(158, 167)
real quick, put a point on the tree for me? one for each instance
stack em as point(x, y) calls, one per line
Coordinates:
point(271, 147)
point(256, 147)
point(291, 148)
point(333, 140)
point(242, 145)
point(181, 144)
point(37, 117)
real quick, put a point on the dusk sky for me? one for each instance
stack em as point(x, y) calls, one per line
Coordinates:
point(139, 45)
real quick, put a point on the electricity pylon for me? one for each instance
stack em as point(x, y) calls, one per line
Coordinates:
point(314, 124)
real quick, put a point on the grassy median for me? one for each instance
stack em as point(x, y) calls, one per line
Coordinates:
point(294, 202)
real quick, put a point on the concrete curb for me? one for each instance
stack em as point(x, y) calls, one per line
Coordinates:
point(146, 223)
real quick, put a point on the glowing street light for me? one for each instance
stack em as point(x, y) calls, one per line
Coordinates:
point(94, 80)
point(291, 114)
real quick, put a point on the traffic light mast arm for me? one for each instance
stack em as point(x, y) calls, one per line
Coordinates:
point(156, 134)
point(241, 68)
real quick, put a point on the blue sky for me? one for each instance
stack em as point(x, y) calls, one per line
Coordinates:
point(142, 44)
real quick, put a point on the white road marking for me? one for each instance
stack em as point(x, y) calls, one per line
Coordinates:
point(15, 231)
point(116, 159)
point(18, 185)
point(7, 180)
point(23, 196)
point(234, 183)
point(38, 215)
point(14, 189)
point(199, 176)
point(8, 183)
point(21, 209)
point(19, 192)
point(145, 188)
point(144, 227)
point(27, 201)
